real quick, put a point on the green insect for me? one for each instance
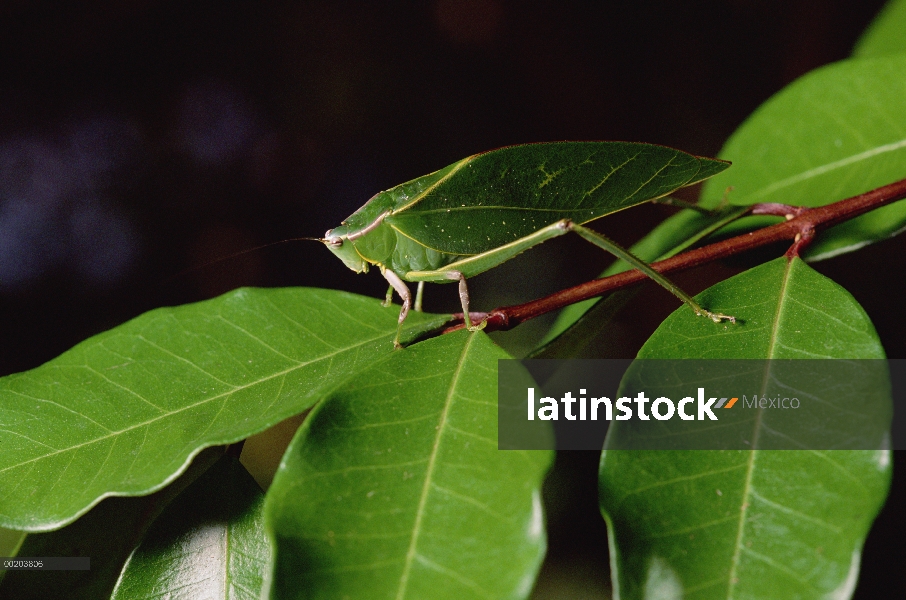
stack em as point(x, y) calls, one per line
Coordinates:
point(485, 209)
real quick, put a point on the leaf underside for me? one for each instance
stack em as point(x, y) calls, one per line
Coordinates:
point(208, 543)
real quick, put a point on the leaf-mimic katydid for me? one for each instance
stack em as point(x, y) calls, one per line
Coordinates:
point(485, 209)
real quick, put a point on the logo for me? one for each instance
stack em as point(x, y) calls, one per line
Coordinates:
point(593, 409)
point(720, 404)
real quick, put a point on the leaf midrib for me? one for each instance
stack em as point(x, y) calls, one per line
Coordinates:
point(827, 167)
point(750, 466)
point(429, 473)
point(234, 390)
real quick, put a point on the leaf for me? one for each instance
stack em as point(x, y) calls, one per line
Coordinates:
point(748, 524)
point(208, 543)
point(107, 535)
point(886, 34)
point(123, 412)
point(10, 540)
point(395, 487)
point(836, 132)
point(494, 198)
point(844, 127)
point(789, 311)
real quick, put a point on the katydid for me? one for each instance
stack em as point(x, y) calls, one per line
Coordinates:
point(473, 215)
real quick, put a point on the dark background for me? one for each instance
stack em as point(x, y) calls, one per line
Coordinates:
point(141, 140)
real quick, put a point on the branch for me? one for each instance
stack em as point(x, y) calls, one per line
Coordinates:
point(801, 226)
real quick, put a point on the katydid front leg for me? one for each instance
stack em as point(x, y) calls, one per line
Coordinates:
point(401, 289)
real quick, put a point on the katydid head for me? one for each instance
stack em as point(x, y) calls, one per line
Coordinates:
point(338, 242)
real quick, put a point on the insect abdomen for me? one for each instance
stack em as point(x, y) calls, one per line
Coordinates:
point(409, 255)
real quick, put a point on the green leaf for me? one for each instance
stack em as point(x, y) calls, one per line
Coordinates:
point(208, 543)
point(395, 487)
point(753, 524)
point(836, 132)
point(107, 535)
point(10, 540)
point(886, 34)
point(789, 311)
point(123, 412)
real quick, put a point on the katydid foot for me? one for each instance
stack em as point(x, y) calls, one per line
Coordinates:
point(478, 326)
point(716, 317)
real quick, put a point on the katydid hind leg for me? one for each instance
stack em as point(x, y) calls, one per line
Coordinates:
point(606, 243)
point(388, 300)
point(396, 283)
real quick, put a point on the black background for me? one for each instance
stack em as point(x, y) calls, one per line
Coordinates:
point(142, 140)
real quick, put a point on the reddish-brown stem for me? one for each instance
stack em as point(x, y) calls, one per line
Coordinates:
point(801, 226)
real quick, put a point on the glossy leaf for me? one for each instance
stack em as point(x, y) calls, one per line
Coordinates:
point(208, 543)
point(834, 133)
point(107, 534)
point(394, 487)
point(710, 525)
point(123, 412)
point(886, 34)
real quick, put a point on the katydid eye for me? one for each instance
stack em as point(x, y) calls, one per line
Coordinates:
point(333, 240)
